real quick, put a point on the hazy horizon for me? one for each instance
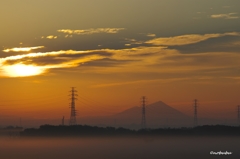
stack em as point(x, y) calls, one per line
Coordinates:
point(157, 116)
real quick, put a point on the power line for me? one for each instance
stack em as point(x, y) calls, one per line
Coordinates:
point(39, 101)
point(39, 98)
point(99, 104)
point(91, 106)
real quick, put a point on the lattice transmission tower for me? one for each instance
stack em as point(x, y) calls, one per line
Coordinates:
point(73, 120)
point(195, 113)
point(143, 124)
point(238, 110)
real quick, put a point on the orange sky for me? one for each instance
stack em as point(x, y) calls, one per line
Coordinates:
point(114, 57)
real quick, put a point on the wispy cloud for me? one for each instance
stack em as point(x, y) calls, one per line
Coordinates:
point(133, 41)
point(50, 37)
point(159, 58)
point(22, 49)
point(24, 65)
point(151, 35)
point(91, 31)
point(140, 81)
point(225, 16)
point(145, 59)
point(187, 39)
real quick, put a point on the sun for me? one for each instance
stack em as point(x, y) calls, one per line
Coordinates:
point(21, 70)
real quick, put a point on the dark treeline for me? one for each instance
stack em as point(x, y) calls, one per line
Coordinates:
point(85, 130)
point(76, 130)
point(10, 131)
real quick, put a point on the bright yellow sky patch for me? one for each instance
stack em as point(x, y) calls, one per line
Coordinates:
point(21, 70)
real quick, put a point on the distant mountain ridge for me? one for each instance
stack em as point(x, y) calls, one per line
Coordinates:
point(155, 108)
point(158, 114)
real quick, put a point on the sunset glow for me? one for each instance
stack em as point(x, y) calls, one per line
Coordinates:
point(21, 70)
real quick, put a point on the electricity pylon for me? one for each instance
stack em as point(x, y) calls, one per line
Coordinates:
point(195, 113)
point(73, 120)
point(143, 124)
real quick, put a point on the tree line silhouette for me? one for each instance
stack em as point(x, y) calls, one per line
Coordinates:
point(86, 130)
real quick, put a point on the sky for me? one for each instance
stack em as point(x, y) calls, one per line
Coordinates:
point(114, 52)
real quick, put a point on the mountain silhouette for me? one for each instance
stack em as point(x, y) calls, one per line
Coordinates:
point(158, 109)
point(158, 114)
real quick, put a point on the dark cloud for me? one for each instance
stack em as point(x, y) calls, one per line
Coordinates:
point(93, 41)
point(106, 62)
point(4, 54)
point(143, 54)
point(201, 60)
point(220, 44)
point(84, 42)
point(97, 52)
point(55, 59)
point(41, 61)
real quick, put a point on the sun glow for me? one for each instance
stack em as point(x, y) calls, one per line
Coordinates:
point(21, 70)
